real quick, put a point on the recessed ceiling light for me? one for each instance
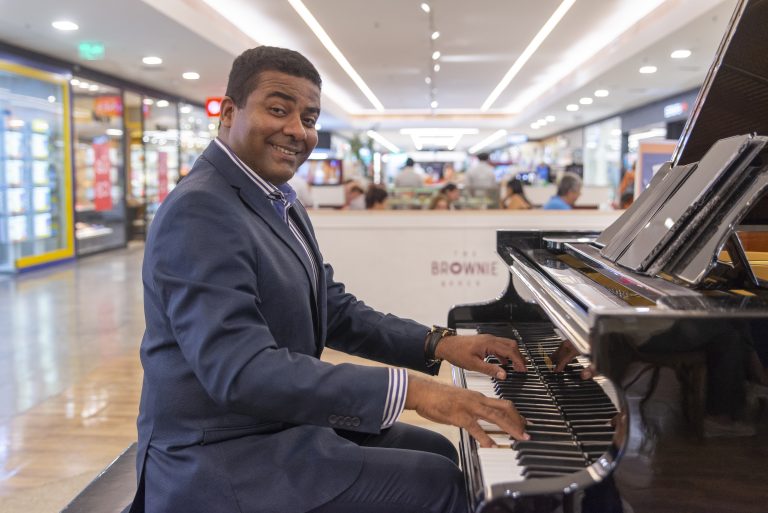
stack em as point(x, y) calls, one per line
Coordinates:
point(190, 75)
point(428, 80)
point(436, 67)
point(64, 25)
point(148, 101)
point(84, 85)
point(425, 7)
point(433, 104)
point(151, 60)
point(435, 34)
point(550, 119)
point(435, 55)
point(680, 54)
point(93, 87)
point(602, 93)
point(74, 81)
point(647, 70)
point(51, 99)
point(586, 100)
point(571, 107)
point(535, 126)
point(186, 109)
point(162, 103)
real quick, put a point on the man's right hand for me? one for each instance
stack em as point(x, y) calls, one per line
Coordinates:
point(463, 408)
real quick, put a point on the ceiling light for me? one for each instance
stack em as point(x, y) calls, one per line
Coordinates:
point(535, 126)
point(438, 132)
point(433, 104)
point(436, 67)
point(550, 119)
point(571, 107)
point(528, 52)
point(428, 80)
point(488, 140)
point(435, 35)
point(162, 103)
point(186, 109)
point(383, 141)
point(74, 82)
point(51, 99)
point(680, 54)
point(152, 60)
point(93, 87)
point(64, 25)
point(425, 7)
point(586, 100)
point(148, 101)
point(541, 121)
point(646, 70)
point(190, 75)
point(114, 132)
point(335, 52)
point(649, 134)
point(601, 93)
point(84, 85)
point(435, 55)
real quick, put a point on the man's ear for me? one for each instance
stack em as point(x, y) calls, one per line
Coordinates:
point(227, 115)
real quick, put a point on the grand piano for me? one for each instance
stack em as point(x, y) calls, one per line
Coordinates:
point(668, 310)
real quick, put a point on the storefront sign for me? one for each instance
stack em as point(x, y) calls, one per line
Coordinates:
point(213, 107)
point(102, 184)
point(162, 175)
point(108, 106)
point(674, 110)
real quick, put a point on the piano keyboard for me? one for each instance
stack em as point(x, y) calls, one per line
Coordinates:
point(569, 419)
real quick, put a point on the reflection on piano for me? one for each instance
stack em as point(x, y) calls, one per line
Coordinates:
point(669, 308)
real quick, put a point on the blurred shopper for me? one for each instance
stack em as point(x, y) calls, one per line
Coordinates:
point(376, 198)
point(481, 176)
point(452, 192)
point(408, 177)
point(515, 198)
point(627, 187)
point(439, 202)
point(568, 191)
point(355, 198)
point(303, 190)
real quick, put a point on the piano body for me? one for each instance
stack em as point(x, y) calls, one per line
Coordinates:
point(669, 306)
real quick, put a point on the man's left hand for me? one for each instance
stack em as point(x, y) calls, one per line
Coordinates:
point(469, 352)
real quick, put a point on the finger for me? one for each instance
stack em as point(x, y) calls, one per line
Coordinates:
point(483, 440)
point(492, 370)
point(561, 364)
point(504, 414)
point(507, 349)
point(587, 373)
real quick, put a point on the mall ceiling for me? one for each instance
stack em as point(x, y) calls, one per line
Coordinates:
point(503, 64)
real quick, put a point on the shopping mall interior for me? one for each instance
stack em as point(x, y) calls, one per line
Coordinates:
point(106, 107)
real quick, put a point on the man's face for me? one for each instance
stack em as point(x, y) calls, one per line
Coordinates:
point(274, 132)
point(454, 195)
point(572, 196)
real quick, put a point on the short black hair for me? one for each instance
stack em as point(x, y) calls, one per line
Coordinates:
point(248, 66)
point(409, 161)
point(448, 187)
point(483, 156)
point(375, 195)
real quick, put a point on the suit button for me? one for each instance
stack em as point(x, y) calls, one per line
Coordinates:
point(355, 421)
point(333, 419)
point(347, 421)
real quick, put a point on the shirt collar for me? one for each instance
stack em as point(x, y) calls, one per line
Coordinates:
point(283, 193)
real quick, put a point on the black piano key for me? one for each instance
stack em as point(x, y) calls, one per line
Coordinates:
point(543, 474)
point(532, 445)
point(575, 462)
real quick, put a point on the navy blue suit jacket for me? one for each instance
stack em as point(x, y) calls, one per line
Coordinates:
point(237, 410)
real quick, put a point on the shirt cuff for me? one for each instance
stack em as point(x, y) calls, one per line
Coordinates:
point(396, 392)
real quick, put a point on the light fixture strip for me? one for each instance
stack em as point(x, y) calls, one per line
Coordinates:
point(324, 38)
point(383, 141)
point(537, 40)
point(498, 134)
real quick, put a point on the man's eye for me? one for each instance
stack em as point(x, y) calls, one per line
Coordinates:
point(277, 110)
point(310, 122)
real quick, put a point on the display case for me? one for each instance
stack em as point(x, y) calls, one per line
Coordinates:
point(35, 168)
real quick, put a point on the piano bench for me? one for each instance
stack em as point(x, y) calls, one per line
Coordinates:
point(112, 490)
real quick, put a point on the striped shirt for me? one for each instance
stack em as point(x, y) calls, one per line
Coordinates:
point(282, 198)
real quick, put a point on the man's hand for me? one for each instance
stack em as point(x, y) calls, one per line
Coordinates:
point(564, 354)
point(463, 408)
point(469, 352)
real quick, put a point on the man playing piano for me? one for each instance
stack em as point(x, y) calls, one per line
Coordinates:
point(238, 412)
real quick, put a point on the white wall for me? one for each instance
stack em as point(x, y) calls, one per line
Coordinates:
point(419, 264)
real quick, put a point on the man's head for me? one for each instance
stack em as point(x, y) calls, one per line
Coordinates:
point(451, 191)
point(409, 162)
point(569, 188)
point(270, 109)
point(483, 157)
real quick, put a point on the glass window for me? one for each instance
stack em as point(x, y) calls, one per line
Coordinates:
point(161, 150)
point(602, 153)
point(197, 131)
point(99, 176)
point(35, 185)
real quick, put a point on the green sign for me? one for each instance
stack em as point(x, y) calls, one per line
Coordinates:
point(91, 50)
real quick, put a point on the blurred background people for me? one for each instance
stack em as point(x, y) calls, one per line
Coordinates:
point(376, 198)
point(568, 191)
point(355, 198)
point(515, 198)
point(408, 177)
point(439, 202)
point(303, 190)
point(481, 175)
point(453, 194)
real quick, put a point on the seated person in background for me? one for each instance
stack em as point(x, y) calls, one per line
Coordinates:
point(568, 191)
point(408, 176)
point(515, 198)
point(439, 202)
point(453, 194)
point(355, 198)
point(481, 175)
point(376, 198)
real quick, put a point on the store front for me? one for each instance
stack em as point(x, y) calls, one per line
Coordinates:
point(35, 168)
point(100, 213)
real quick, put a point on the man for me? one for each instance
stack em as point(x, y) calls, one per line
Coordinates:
point(568, 191)
point(238, 412)
point(481, 176)
point(408, 177)
point(453, 193)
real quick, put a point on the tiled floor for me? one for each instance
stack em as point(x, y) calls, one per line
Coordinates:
point(69, 338)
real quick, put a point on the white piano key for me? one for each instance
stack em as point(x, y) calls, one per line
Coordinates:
point(499, 465)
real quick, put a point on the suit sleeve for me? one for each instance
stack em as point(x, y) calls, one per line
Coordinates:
point(200, 272)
